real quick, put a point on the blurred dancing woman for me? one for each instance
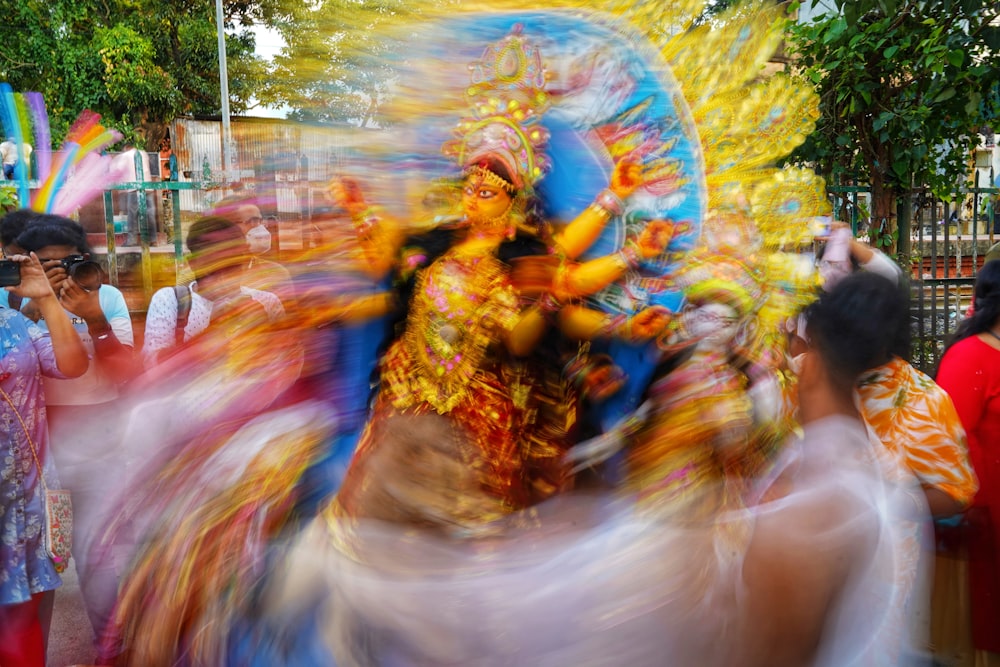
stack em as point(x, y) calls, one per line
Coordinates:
point(27, 353)
point(703, 411)
point(970, 373)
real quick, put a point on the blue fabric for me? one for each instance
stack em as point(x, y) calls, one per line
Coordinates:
point(345, 383)
point(25, 566)
point(253, 644)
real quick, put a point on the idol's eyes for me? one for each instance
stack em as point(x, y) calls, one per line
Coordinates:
point(715, 318)
point(482, 193)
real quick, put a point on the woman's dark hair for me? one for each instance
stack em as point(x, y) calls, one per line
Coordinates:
point(200, 234)
point(12, 224)
point(862, 323)
point(985, 305)
point(45, 229)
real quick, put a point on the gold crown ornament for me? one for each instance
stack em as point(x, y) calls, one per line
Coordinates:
point(507, 98)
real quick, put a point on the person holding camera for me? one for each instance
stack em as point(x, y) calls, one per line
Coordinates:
point(11, 226)
point(98, 311)
point(27, 353)
point(83, 413)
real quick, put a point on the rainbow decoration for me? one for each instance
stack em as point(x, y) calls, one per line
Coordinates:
point(70, 177)
point(11, 113)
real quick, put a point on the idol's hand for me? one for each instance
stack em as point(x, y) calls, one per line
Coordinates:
point(599, 449)
point(594, 451)
point(626, 177)
point(346, 193)
point(655, 238)
point(647, 323)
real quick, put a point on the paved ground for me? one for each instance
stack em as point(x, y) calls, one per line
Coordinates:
point(70, 637)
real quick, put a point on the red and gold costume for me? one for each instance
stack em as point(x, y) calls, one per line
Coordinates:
point(703, 413)
point(470, 350)
point(449, 361)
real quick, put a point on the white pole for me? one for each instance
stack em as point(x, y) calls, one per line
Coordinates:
point(224, 91)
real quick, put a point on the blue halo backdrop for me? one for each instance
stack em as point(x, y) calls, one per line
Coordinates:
point(612, 97)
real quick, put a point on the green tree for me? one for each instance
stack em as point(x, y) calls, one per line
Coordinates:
point(139, 63)
point(338, 65)
point(718, 10)
point(904, 85)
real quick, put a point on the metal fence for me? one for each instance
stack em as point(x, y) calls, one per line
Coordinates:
point(136, 230)
point(949, 239)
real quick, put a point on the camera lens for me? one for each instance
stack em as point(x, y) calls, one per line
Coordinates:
point(87, 274)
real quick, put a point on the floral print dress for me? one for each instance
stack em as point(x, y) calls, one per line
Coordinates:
point(916, 420)
point(25, 354)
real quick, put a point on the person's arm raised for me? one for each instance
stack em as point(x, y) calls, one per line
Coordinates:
point(70, 354)
point(117, 358)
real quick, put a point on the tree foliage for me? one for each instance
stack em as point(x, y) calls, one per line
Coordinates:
point(139, 63)
point(716, 11)
point(904, 86)
point(336, 65)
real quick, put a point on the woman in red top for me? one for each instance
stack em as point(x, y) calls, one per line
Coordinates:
point(970, 373)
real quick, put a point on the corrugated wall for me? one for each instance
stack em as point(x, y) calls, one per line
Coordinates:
point(283, 160)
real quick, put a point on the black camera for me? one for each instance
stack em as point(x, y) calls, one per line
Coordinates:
point(10, 273)
point(72, 260)
point(86, 273)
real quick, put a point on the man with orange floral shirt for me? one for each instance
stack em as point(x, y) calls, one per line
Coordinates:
point(915, 419)
point(906, 410)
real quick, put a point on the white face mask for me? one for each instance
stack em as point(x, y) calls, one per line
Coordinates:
point(259, 240)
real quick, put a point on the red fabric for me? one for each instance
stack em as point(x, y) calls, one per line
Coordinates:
point(21, 642)
point(970, 373)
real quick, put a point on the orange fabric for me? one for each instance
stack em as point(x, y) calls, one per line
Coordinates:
point(916, 419)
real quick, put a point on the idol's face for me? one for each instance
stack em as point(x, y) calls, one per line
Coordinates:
point(714, 325)
point(483, 202)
